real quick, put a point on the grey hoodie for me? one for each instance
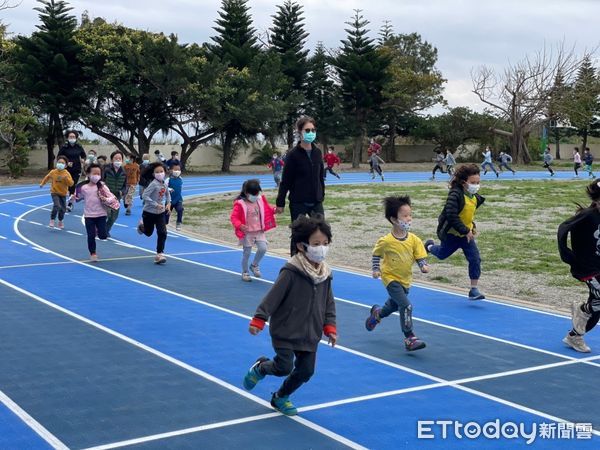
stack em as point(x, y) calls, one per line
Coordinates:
point(155, 195)
point(298, 310)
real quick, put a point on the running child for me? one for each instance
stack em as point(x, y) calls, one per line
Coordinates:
point(132, 172)
point(505, 160)
point(487, 162)
point(175, 188)
point(251, 217)
point(97, 198)
point(576, 161)
point(116, 179)
point(276, 165)
point(144, 180)
point(157, 205)
point(393, 257)
point(456, 227)
point(374, 162)
point(548, 160)
point(450, 162)
point(300, 310)
point(588, 159)
point(584, 259)
point(439, 164)
point(61, 182)
point(331, 160)
point(374, 148)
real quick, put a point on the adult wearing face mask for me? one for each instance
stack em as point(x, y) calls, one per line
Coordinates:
point(75, 154)
point(303, 175)
point(456, 225)
point(115, 178)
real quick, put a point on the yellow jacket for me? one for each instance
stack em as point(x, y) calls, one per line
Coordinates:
point(61, 181)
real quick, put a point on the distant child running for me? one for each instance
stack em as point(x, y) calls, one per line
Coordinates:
point(132, 170)
point(456, 225)
point(276, 165)
point(300, 310)
point(548, 161)
point(145, 179)
point(588, 159)
point(157, 204)
point(450, 162)
point(374, 148)
point(97, 198)
point(176, 190)
point(576, 161)
point(375, 162)
point(393, 257)
point(584, 259)
point(487, 162)
point(505, 160)
point(439, 164)
point(61, 182)
point(331, 160)
point(251, 217)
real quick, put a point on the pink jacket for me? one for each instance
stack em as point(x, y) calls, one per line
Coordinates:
point(238, 215)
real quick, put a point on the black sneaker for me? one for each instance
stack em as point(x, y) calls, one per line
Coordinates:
point(429, 243)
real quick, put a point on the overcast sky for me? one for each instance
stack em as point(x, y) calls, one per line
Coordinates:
point(467, 33)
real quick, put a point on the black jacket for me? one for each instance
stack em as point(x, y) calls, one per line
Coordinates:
point(303, 177)
point(584, 254)
point(298, 310)
point(449, 219)
point(74, 153)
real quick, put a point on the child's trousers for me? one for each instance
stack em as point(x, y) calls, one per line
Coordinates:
point(299, 370)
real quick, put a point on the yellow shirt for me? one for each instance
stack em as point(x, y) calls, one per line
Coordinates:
point(467, 215)
point(61, 181)
point(398, 257)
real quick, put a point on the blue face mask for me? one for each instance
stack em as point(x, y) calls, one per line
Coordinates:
point(309, 137)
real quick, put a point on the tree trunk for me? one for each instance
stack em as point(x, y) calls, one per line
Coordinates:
point(227, 144)
point(557, 141)
point(52, 137)
point(357, 149)
point(518, 145)
point(289, 138)
point(584, 140)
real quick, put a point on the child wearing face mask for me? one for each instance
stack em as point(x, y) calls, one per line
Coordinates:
point(393, 257)
point(456, 225)
point(251, 217)
point(116, 180)
point(300, 309)
point(157, 205)
point(132, 172)
point(175, 188)
point(94, 211)
point(61, 182)
point(144, 181)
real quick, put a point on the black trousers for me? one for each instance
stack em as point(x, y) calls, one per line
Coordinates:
point(593, 302)
point(95, 225)
point(301, 209)
point(159, 222)
point(297, 365)
point(75, 174)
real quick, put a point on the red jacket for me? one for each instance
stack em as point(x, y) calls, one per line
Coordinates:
point(331, 159)
point(373, 148)
point(238, 215)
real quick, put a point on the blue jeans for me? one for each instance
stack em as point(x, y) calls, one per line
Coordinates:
point(485, 166)
point(398, 301)
point(179, 208)
point(453, 243)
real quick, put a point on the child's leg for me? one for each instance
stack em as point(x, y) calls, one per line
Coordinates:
point(129, 196)
point(62, 207)
point(245, 258)
point(161, 232)
point(179, 209)
point(472, 254)
point(149, 220)
point(447, 247)
point(304, 368)
point(55, 205)
point(90, 228)
point(100, 223)
point(575, 167)
point(261, 249)
point(113, 215)
point(398, 296)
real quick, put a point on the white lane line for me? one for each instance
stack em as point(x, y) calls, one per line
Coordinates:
point(2, 237)
point(43, 250)
point(120, 225)
point(74, 232)
point(32, 423)
point(4, 214)
point(181, 364)
point(36, 223)
point(18, 242)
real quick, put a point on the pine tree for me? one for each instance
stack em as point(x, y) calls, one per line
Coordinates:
point(287, 40)
point(363, 75)
point(48, 70)
point(584, 103)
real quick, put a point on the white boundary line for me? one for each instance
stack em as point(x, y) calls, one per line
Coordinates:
point(31, 422)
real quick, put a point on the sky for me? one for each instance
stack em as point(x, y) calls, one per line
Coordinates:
point(467, 33)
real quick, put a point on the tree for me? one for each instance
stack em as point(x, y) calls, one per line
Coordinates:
point(287, 40)
point(48, 71)
point(522, 93)
point(556, 110)
point(363, 75)
point(17, 125)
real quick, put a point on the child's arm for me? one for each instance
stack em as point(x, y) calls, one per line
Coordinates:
point(329, 329)
point(45, 179)
point(378, 252)
point(70, 181)
point(566, 254)
point(271, 301)
point(236, 213)
point(420, 255)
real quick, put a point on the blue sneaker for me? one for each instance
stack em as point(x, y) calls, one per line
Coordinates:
point(428, 243)
point(413, 343)
point(253, 376)
point(373, 318)
point(283, 405)
point(474, 294)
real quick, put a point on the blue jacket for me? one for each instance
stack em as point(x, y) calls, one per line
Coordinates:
point(176, 183)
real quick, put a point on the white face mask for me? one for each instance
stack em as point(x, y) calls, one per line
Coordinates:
point(159, 176)
point(72, 141)
point(473, 188)
point(252, 198)
point(60, 166)
point(316, 253)
point(176, 173)
point(117, 164)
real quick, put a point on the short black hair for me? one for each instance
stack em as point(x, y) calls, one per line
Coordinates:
point(102, 157)
point(175, 165)
point(393, 204)
point(157, 152)
point(115, 153)
point(173, 153)
point(304, 227)
point(63, 157)
point(76, 133)
point(91, 166)
point(251, 187)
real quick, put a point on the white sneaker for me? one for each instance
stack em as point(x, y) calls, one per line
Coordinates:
point(576, 343)
point(580, 318)
point(255, 270)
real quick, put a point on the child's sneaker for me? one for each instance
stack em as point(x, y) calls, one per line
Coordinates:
point(255, 270)
point(413, 343)
point(428, 244)
point(93, 257)
point(70, 207)
point(140, 228)
point(246, 276)
point(580, 318)
point(61, 225)
point(474, 294)
point(577, 343)
point(283, 405)
point(253, 376)
point(178, 227)
point(373, 318)
point(127, 212)
point(51, 224)
point(160, 259)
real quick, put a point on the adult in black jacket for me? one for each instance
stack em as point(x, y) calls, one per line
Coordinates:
point(303, 175)
point(74, 154)
point(584, 259)
point(456, 225)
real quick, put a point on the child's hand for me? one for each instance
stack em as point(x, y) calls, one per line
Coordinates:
point(332, 339)
point(376, 274)
point(425, 269)
point(244, 228)
point(470, 236)
point(168, 208)
point(253, 330)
